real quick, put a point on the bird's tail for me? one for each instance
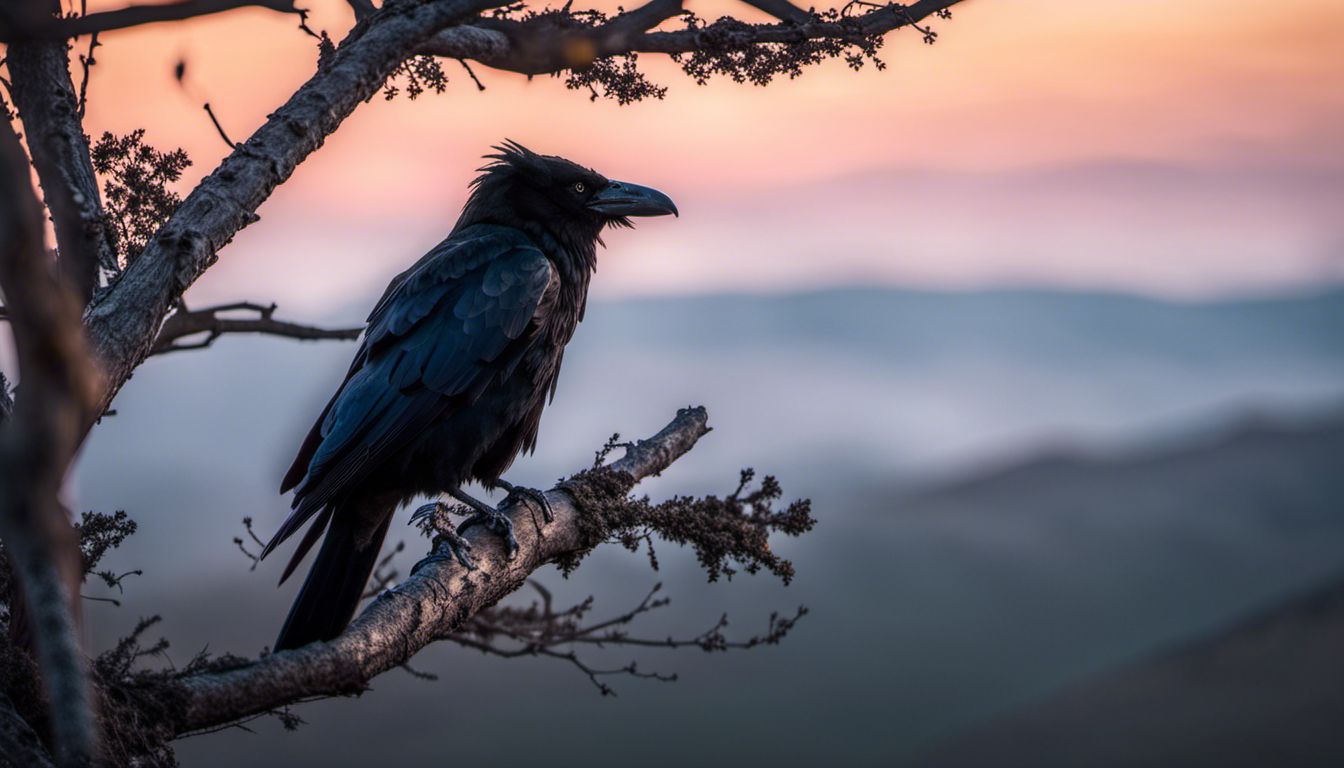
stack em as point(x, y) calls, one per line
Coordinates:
point(335, 583)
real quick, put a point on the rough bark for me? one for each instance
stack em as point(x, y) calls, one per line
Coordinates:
point(45, 97)
point(430, 604)
point(124, 321)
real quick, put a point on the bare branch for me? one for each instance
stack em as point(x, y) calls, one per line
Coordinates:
point(431, 604)
point(86, 62)
point(214, 322)
point(47, 103)
point(539, 630)
point(19, 22)
point(37, 444)
point(123, 322)
point(220, 128)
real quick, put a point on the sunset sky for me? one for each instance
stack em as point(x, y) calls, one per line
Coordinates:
point(1180, 148)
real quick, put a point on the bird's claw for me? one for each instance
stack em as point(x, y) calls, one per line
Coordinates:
point(426, 512)
point(497, 522)
point(536, 497)
point(459, 549)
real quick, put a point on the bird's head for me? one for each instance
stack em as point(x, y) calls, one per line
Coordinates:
point(523, 188)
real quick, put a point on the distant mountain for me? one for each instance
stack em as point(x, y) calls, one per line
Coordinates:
point(1031, 324)
point(1267, 691)
point(1016, 491)
point(1250, 518)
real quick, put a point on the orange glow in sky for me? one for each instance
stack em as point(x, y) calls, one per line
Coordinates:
point(1186, 148)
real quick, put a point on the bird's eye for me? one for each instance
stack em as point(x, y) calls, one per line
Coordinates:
point(579, 187)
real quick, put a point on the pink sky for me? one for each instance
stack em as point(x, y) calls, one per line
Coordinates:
point(1187, 148)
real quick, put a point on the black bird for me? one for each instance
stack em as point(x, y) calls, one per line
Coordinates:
point(458, 360)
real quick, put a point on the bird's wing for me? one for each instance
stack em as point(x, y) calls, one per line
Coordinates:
point(433, 343)
point(458, 254)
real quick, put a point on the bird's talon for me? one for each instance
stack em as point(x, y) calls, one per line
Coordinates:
point(459, 549)
point(536, 497)
point(425, 512)
point(497, 522)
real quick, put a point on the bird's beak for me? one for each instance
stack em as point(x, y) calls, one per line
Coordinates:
point(621, 198)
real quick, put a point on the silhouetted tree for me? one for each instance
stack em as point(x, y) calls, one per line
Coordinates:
point(85, 315)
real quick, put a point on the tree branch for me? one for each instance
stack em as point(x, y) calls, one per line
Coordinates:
point(37, 444)
point(124, 321)
point(19, 21)
point(433, 602)
point(47, 103)
point(536, 48)
point(213, 322)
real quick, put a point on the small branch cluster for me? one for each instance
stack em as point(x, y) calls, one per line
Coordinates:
point(727, 534)
point(137, 196)
point(414, 76)
point(539, 629)
point(722, 51)
point(99, 534)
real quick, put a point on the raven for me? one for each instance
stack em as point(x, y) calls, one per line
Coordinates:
point(458, 360)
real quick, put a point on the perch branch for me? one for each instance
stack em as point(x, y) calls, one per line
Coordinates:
point(434, 602)
point(215, 322)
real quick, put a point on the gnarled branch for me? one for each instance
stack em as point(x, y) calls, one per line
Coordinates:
point(432, 604)
point(215, 321)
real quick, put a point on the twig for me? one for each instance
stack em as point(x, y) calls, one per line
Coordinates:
point(219, 127)
point(86, 61)
point(479, 85)
point(215, 322)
